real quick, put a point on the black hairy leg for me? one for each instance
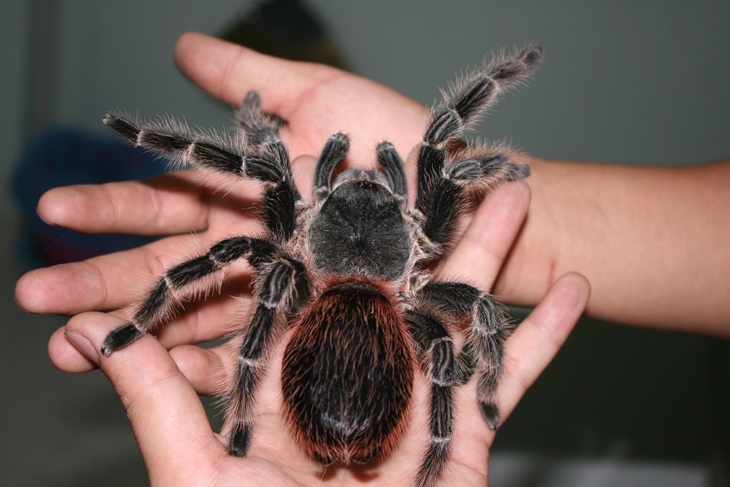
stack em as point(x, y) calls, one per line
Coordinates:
point(446, 368)
point(486, 335)
point(481, 169)
point(440, 187)
point(164, 300)
point(256, 153)
point(284, 287)
point(441, 366)
point(282, 202)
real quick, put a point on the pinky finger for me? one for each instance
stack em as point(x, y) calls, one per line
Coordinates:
point(538, 339)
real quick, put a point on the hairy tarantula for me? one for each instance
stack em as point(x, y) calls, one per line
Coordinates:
point(347, 275)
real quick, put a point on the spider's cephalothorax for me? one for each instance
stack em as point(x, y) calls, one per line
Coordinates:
point(347, 275)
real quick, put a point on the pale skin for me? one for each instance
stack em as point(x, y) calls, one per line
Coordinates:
point(579, 217)
point(653, 241)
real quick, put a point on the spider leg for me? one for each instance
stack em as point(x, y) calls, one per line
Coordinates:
point(222, 152)
point(257, 127)
point(284, 286)
point(258, 153)
point(438, 191)
point(282, 201)
point(485, 341)
point(475, 167)
point(447, 369)
point(162, 302)
point(442, 369)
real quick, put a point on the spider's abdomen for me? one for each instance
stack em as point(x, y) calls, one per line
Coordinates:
point(360, 230)
point(347, 375)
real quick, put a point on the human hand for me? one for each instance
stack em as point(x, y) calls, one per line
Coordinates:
point(159, 389)
point(315, 100)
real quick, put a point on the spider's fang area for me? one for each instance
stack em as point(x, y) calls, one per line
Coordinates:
point(120, 338)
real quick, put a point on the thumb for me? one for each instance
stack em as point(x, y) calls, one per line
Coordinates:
point(167, 417)
point(229, 71)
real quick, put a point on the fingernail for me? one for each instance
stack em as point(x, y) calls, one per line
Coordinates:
point(83, 345)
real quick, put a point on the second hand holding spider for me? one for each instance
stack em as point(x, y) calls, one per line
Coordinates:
point(347, 275)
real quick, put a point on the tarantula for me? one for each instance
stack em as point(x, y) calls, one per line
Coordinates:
point(348, 275)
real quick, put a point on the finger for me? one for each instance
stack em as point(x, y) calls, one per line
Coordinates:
point(303, 172)
point(115, 280)
point(316, 100)
point(65, 357)
point(108, 282)
point(527, 353)
point(228, 71)
point(101, 283)
point(201, 322)
point(171, 203)
point(208, 370)
point(167, 204)
point(167, 417)
point(479, 254)
point(539, 337)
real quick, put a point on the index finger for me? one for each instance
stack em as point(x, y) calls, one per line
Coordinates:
point(166, 204)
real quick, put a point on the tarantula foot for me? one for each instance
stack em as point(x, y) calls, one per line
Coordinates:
point(520, 171)
point(120, 338)
point(240, 440)
point(122, 127)
point(490, 413)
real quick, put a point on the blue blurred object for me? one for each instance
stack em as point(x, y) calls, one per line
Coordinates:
point(65, 156)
